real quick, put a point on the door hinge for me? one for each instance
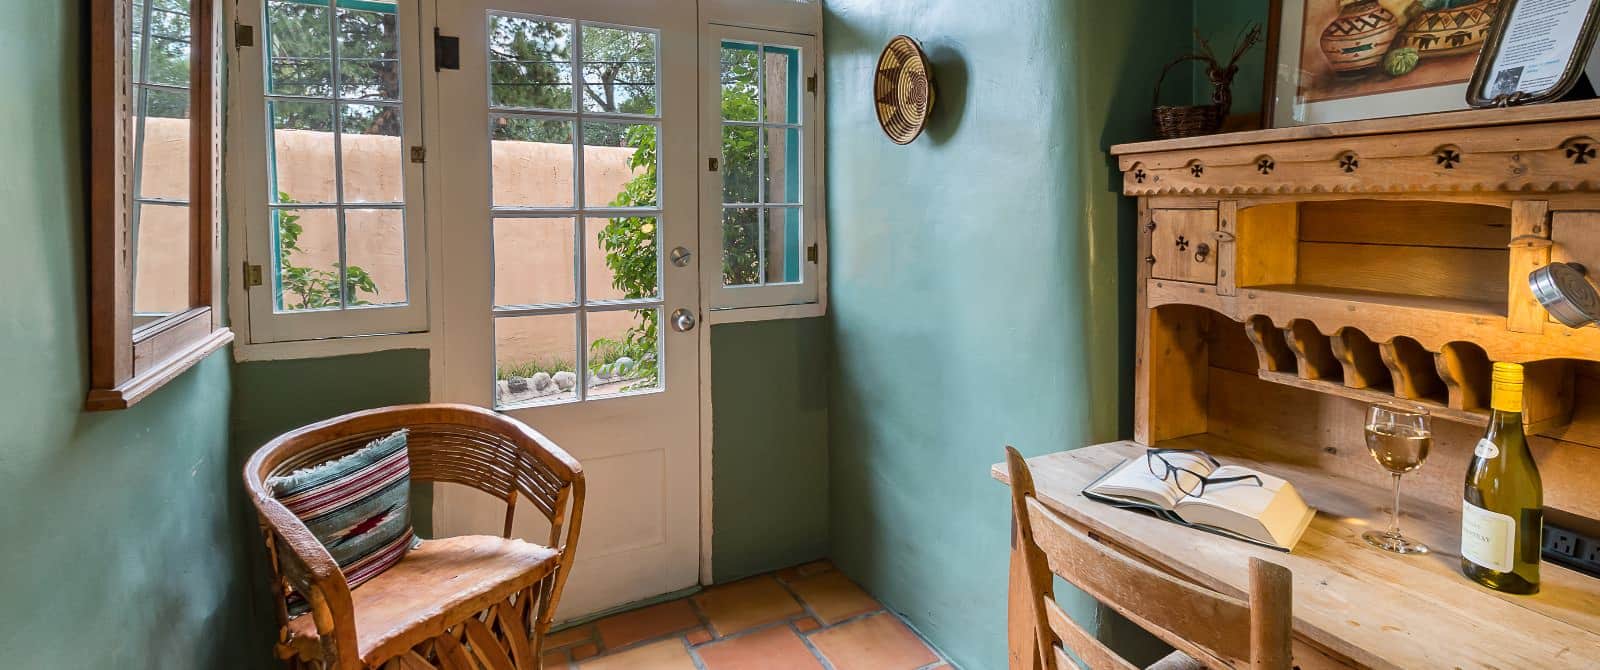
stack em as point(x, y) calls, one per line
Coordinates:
point(811, 253)
point(243, 35)
point(419, 154)
point(252, 275)
point(811, 84)
point(446, 52)
point(712, 163)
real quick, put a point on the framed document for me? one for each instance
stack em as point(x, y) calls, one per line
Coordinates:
point(1536, 53)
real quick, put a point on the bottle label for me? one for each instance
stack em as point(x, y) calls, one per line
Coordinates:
point(1487, 537)
point(1486, 449)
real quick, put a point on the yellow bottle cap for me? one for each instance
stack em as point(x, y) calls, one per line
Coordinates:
point(1506, 394)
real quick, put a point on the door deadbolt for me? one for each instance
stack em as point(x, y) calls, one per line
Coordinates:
point(682, 320)
point(680, 256)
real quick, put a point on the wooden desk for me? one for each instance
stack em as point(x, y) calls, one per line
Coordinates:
point(1352, 604)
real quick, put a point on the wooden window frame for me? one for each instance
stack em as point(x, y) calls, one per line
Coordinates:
point(127, 365)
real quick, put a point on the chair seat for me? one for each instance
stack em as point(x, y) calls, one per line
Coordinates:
point(437, 585)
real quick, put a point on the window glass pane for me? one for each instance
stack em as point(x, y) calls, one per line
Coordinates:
point(624, 261)
point(533, 261)
point(372, 153)
point(532, 162)
point(739, 163)
point(536, 359)
point(530, 63)
point(780, 87)
point(782, 168)
point(136, 44)
point(624, 352)
point(168, 40)
point(741, 246)
point(619, 70)
point(783, 245)
point(163, 253)
point(299, 49)
point(307, 272)
point(375, 247)
point(369, 54)
point(302, 152)
point(163, 151)
point(739, 65)
point(619, 164)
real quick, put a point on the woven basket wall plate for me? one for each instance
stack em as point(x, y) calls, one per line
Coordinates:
point(903, 90)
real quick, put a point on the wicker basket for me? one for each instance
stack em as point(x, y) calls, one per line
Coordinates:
point(1190, 120)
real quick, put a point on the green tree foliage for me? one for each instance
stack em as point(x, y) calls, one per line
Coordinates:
point(741, 260)
point(161, 54)
point(314, 288)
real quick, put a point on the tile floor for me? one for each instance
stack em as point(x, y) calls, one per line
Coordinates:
point(809, 617)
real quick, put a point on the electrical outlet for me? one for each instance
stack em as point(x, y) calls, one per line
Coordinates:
point(1560, 542)
point(1591, 555)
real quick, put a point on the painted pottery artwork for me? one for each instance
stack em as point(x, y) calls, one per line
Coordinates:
point(1359, 37)
point(1458, 29)
point(903, 90)
point(1359, 48)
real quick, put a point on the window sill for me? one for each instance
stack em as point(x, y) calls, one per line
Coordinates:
point(140, 386)
point(329, 347)
point(773, 313)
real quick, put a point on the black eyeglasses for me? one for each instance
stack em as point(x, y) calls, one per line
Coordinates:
point(1156, 460)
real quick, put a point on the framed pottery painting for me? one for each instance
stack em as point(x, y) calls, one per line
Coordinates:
point(1343, 60)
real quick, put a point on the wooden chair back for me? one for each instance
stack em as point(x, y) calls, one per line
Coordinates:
point(1213, 629)
point(459, 444)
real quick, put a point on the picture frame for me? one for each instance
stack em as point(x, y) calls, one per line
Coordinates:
point(1330, 61)
point(1513, 70)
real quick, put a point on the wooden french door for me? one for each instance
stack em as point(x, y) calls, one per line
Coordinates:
point(567, 157)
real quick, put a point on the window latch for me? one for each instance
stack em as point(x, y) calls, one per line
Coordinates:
point(243, 35)
point(419, 154)
point(711, 163)
point(811, 253)
point(446, 52)
point(252, 275)
point(811, 84)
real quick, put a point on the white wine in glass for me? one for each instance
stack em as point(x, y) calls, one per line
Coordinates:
point(1399, 439)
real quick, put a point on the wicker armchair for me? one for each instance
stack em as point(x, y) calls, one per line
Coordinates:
point(457, 602)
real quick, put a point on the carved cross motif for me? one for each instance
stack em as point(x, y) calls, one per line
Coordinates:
point(1183, 243)
point(1197, 169)
point(1580, 152)
point(1349, 162)
point(1265, 165)
point(1448, 158)
point(1138, 176)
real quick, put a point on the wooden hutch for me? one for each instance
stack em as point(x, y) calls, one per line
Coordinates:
point(1287, 278)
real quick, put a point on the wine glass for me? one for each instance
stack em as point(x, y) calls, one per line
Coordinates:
point(1399, 438)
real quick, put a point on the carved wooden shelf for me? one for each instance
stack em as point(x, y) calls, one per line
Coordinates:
point(1288, 277)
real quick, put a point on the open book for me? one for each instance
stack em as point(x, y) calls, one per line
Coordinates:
point(1270, 514)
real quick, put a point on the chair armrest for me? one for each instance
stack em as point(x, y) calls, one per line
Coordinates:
point(307, 566)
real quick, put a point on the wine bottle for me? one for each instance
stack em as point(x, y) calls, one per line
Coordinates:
point(1502, 511)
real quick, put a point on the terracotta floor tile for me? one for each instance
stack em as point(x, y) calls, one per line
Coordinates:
point(584, 651)
point(805, 570)
point(806, 624)
point(667, 654)
point(877, 642)
point(833, 597)
point(554, 660)
point(746, 604)
point(621, 630)
point(569, 636)
point(698, 636)
point(776, 648)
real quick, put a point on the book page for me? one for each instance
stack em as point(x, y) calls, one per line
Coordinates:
point(1133, 479)
point(1272, 513)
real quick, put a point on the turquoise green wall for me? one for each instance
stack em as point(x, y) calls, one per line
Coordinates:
point(120, 548)
point(770, 451)
point(980, 284)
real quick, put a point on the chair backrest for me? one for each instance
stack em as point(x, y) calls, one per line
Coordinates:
point(1217, 630)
